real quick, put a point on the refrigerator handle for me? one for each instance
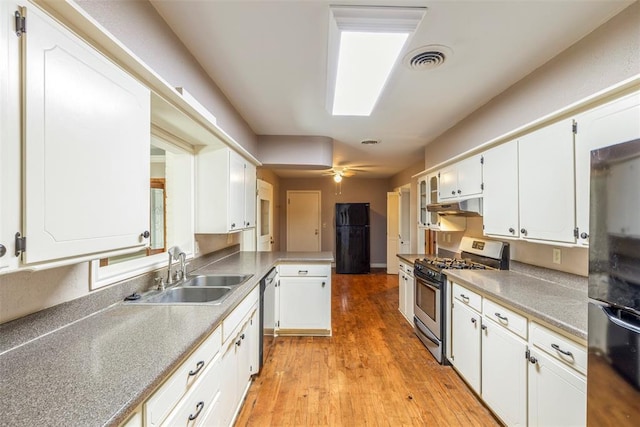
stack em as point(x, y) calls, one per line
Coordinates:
point(633, 326)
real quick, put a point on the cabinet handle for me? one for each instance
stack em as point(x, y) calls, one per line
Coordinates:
point(533, 360)
point(453, 192)
point(199, 407)
point(303, 271)
point(233, 225)
point(474, 320)
point(3, 250)
point(523, 231)
point(584, 235)
point(557, 348)
point(503, 318)
point(199, 366)
point(464, 297)
point(512, 230)
point(483, 327)
point(238, 343)
point(242, 336)
point(145, 234)
point(459, 191)
point(324, 283)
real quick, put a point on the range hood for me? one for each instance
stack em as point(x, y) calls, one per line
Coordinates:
point(468, 207)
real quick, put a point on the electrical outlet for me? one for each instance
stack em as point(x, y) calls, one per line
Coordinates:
point(557, 256)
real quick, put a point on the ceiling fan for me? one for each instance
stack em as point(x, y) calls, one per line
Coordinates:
point(340, 172)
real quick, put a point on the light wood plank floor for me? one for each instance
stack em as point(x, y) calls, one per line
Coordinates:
point(373, 371)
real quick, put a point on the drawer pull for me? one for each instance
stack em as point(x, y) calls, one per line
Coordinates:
point(199, 366)
point(303, 272)
point(503, 318)
point(557, 348)
point(464, 297)
point(199, 407)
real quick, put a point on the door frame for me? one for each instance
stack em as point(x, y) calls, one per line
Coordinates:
point(268, 187)
point(319, 193)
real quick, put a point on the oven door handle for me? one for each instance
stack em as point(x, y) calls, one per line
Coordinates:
point(425, 331)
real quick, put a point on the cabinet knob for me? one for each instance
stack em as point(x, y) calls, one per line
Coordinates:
point(233, 225)
point(523, 231)
point(474, 320)
point(512, 230)
point(145, 234)
point(324, 283)
point(584, 235)
point(533, 360)
point(453, 192)
point(459, 191)
point(484, 327)
point(3, 250)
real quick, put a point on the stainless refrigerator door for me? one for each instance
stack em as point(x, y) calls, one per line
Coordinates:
point(613, 378)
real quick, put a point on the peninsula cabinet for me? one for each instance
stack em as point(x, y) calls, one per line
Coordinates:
point(225, 191)
point(546, 184)
point(609, 124)
point(86, 147)
point(406, 289)
point(304, 299)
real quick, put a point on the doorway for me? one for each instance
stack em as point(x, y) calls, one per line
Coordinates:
point(303, 221)
point(264, 204)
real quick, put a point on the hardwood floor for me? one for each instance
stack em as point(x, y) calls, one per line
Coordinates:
point(372, 371)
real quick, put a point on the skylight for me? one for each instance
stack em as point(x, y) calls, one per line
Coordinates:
point(364, 45)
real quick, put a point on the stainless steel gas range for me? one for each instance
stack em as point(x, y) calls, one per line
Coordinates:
point(431, 286)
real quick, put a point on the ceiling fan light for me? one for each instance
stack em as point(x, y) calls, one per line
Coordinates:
point(337, 177)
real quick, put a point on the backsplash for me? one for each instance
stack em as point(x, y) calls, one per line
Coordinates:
point(573, 260)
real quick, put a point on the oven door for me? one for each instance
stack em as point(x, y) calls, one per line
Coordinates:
point(428, 305)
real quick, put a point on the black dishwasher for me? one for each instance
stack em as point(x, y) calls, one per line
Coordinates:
point(267, 314)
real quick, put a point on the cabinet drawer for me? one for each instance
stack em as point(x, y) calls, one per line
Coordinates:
point(192, 410)
point(468, 297)
point(511, 320)
point(233, 320)
point(302, 270)
point(559, 347)
point(165, 398)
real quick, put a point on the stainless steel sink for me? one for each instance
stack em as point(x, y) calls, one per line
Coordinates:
point(182, 295)
point(216, 280)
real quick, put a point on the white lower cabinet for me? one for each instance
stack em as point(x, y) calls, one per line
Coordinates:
point(406, 289)
point(465, 344)
point(304, 297)
point(208, 388)
point(504, 373)
point(526, 373)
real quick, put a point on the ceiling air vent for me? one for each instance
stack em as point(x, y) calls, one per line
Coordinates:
point(427, 57)
point(369, 141)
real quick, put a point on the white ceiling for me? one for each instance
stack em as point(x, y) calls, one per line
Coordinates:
point(270, 57)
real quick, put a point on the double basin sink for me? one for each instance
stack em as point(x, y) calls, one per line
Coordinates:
point(201, 289)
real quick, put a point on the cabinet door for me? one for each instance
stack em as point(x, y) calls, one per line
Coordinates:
point(612, 123)
point(305, 303)
point(470, 176)
point(547, 201)
point(236, 191)
point(228, 382)
point(465, 336)
point(409, 298)
point(402, 288)
point(448, 188)
point(500, 176)
point(422, 201)
point(433, 218)
point(250, 194)
point(504, 373)
point(557, 395)
point(86, 168)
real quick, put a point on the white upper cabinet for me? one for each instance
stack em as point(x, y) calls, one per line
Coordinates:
point(546, 187)
point(462, 179)
point(86, 152)
point(423, 200)
point(500, 175)
point(224, 184)
point(612, 123)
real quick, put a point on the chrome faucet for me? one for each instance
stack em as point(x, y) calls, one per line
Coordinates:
point(183, 265)
point(174, 253)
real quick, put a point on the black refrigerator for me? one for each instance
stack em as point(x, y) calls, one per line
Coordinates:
point(352, 238)
point(613, 386)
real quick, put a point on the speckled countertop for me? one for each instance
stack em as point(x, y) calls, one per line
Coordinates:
point(556, 298)
point(97, 370)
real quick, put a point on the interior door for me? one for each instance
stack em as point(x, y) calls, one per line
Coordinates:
point(303, 221)
point(404, 222)
point(264, 205)
point(393, 233)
